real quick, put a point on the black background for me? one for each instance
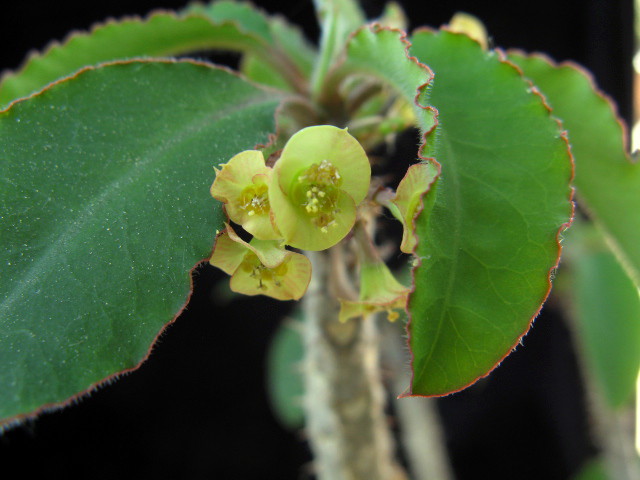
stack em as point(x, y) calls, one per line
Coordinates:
point(198, 409)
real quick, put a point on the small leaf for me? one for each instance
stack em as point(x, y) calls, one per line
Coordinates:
point(607, 313)
point(412, 188)
point(471, 26)
point(393, 16)
point(607, 180)
point(382, 52)
point(347, 12)
point(284, 369)
point(248, 19)
point(338, 19)
point(104, 209)
point(489, 243)
point(592, 470)
point(290, 59)
point(258, 70)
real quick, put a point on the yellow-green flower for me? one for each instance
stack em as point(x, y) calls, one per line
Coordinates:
point(243, 185)
point(261, 267)
point(320, 178)
point(379, 292)
point(471, 26)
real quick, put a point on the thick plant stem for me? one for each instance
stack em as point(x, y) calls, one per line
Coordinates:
point(344, 398)
point(421, 434)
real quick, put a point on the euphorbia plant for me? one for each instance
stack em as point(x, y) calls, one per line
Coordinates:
point(258, 171)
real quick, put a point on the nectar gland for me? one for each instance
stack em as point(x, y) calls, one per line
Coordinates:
point(321, 186)
point(265, 276)
point(254, 199)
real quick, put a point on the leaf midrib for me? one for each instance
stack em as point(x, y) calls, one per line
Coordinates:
point(452, 173)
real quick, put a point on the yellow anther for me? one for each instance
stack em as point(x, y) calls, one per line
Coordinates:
point(254, 199)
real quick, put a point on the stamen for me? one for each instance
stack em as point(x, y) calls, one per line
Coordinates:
point(264, 275)
point(320, 189)
point(254, 200)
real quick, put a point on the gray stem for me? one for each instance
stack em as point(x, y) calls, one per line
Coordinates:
point(613, 429)
point(344, 398)
point(420, 430)
point(614, 433)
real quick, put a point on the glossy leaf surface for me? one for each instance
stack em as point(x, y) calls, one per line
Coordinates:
point(607, 180)
point(490, 241)
point(104, 209)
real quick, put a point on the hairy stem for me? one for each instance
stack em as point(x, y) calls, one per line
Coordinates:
point(421, 434)
point(344, 399)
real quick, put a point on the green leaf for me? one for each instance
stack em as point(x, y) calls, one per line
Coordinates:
point(593, 469)
point(159, 35)
point(104, 209)
point(347, 12)
point(256, 69)
point(393, 16)
point(607, 181)
point(338, 19)
point(607, 313)
point(244, 15)
point(489, 242)
point(289, 38)
point(291, 57)
point(289, 41)
point(286, 386)
point(382, 53)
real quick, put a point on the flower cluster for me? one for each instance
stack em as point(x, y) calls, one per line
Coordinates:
point(308, 200)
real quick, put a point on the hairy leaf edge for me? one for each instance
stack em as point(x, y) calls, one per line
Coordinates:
point(53, 45)
point(624, 129)
point(35, 54)
point(375, 28)
point(11, 422)
point(611, 242)
point(502, 57)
